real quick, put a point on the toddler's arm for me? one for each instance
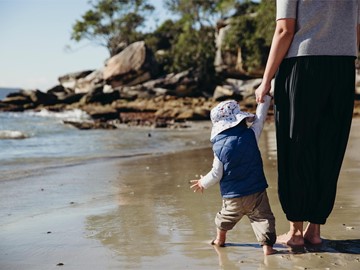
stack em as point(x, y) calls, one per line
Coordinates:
point(212, 177)
point(261, 113)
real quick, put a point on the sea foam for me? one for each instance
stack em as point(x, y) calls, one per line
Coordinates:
point(12, 134)
point(71, 115)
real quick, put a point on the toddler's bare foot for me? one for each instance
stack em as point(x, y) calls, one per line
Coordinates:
point(220, 238)
point(268, 250)
point(217, 242)
point(290, 239)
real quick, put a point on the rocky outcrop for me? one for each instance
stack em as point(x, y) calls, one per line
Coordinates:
point(128, 91)
point(134, 65)
point(28, 99)
point(120, 93)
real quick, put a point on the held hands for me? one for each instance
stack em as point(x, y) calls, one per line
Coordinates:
point(261, 91)
point(197, 185)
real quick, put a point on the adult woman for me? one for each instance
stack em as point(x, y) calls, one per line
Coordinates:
point(313, 51)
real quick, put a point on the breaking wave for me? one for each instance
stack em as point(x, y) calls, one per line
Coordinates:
point(12, 134)
point(71, 115)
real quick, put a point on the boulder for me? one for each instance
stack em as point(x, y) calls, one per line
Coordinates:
point(30, 97)
point(65, 95)
point(194, 114)
point(99, 112)
point(71, 98)
point(222, 93)
point(97, 95)
point(134, 65)
point(16, 99)
point(40, 98)
point(180, 84)
point(89, 82)
point(244, 87)
point(236, 89)
point(69, 80)
point(90, 124)
point(60, 91)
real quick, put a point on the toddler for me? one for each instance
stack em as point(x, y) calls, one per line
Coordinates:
point(238, 168)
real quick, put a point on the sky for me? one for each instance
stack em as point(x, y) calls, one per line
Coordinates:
point(34, 35)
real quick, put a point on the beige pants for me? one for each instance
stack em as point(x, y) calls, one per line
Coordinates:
point(257, 208)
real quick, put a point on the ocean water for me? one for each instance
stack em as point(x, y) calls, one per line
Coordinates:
point(31, 141)
point(5, 91)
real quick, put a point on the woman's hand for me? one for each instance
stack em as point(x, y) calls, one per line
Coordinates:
point(261, 91)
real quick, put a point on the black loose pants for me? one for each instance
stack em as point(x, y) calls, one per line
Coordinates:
point(314, 101)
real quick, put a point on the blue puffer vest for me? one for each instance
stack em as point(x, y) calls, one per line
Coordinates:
point(238, 150)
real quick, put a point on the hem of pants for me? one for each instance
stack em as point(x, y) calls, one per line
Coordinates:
point(320, 221)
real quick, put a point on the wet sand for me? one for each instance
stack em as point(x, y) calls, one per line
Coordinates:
point(141, 214)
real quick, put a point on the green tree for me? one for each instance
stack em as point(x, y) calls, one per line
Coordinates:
point(251, 30)
point(194, 46)
point(202, 12)
point(266, 14)
point(113, 24)
point(161, 42)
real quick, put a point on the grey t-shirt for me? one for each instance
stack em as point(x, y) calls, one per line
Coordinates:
point(323, 27)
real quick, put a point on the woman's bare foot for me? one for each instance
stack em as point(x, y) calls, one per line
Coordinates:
point(268, 250)
point(312, 234)
point(314, 240)
point(290, 239)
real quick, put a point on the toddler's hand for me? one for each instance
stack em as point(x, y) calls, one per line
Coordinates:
point(197, 186)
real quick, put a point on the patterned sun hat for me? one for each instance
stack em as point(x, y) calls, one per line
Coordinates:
point(227, 114)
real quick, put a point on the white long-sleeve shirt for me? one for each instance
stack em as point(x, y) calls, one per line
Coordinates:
point(214, 176)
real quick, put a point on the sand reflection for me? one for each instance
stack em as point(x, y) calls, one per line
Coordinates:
point(158, 222)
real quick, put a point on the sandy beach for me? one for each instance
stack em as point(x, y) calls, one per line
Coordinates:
point(139, 213)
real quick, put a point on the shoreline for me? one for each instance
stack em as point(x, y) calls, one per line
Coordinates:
point(141, 214)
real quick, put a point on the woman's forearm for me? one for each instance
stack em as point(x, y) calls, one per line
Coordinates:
point(284, 33)
point(358, 37)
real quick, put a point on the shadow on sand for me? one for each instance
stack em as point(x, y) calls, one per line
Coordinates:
point(336, 246)
point(330, 246)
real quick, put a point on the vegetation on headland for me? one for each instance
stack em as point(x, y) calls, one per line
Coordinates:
point(188, 41)
point(209, 51)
